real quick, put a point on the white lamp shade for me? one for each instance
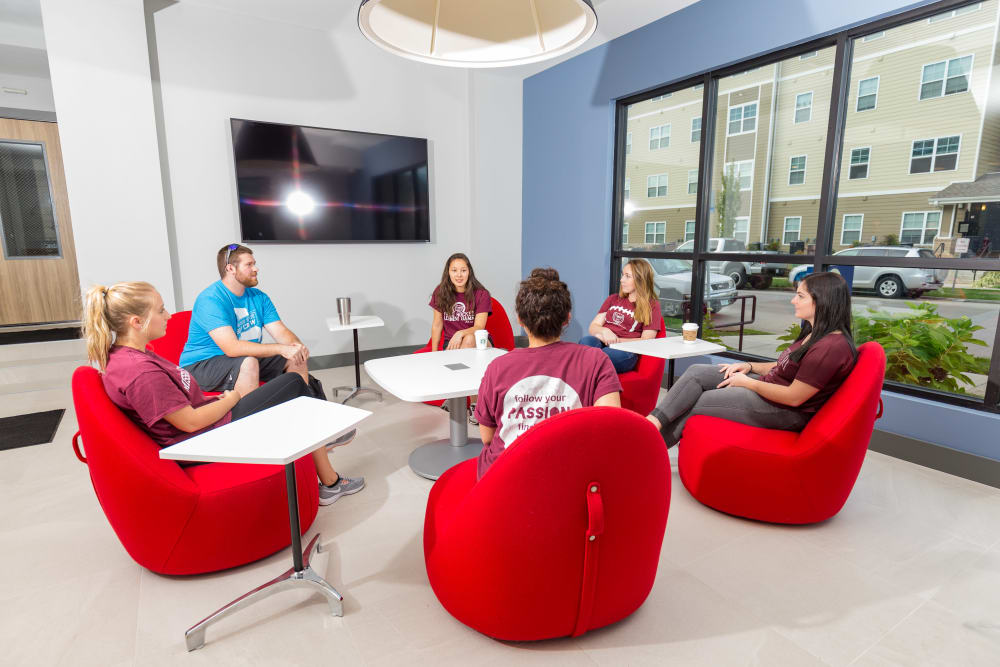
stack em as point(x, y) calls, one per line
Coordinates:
point(477, 33)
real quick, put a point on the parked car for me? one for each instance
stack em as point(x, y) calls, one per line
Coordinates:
point(887, 282)
point(673, 282)
point(755, 274)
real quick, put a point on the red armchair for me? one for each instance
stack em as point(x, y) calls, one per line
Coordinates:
point(641, 385)
point(783, 476)
point(175, 520)
point(561, 536)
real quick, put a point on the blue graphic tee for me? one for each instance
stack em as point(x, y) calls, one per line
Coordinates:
point(217, 307)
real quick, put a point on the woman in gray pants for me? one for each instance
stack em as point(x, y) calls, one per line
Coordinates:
point(783, 394)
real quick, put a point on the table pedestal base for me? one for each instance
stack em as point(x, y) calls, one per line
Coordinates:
point(194, 637)
point(432, 459)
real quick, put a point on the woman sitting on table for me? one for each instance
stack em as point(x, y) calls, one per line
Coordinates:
point(634, 312)
point(461, 306)
point(162, 398)
point(782, 394)
point(526, 385)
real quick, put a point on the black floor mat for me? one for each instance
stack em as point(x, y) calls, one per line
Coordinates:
point(36, 428)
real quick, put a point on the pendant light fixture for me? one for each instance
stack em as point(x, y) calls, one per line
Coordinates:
point(477, 33)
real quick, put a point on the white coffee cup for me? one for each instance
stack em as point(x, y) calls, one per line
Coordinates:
point(690, 332)
point(482, 337)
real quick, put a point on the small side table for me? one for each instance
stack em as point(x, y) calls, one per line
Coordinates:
point(357, 322)
point(279, 435)
point(669, 348)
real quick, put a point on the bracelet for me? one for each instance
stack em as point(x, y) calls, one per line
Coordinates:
point(749, 367)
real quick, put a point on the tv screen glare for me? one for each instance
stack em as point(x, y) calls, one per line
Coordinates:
point(314, 185)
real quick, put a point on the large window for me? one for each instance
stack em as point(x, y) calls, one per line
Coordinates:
point(915, 233)
point(659, 137)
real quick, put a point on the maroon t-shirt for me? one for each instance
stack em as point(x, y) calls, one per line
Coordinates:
point(146, 387)
point(526, 385)
point(619, 316)
point(461, 316)
point(825, 366)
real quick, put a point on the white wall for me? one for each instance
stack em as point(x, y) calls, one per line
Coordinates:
point(39, 97)
point(215, 65)
point(103, 98)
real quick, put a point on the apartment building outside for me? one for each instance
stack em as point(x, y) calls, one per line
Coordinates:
point(920, 157)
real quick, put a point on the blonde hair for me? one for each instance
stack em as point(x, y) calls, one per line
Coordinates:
point(645, 290)
point(106, 311)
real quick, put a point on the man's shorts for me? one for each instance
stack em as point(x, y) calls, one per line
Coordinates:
point(220, 373)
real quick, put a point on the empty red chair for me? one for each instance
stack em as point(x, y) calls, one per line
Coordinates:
point(172, 344)
point(563, 533)
point(641, 385)
point(783, 476)
point(189, 520)
point(498, 324)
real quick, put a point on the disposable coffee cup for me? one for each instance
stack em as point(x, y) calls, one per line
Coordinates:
point(344, 309)
point(690, 332)
point(482, 337)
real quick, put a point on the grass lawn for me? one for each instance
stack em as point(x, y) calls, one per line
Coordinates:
point(962, 293)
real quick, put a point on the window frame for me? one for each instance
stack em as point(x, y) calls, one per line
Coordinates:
point(746, 232)
point(665, 186)
point(659, 137)
point(646, 231)
point(693, 130)
point(686, 223)
point(923, 229)
point(805, 161)
point(743, 118)
point(843, 227)
point(694, 182)
point(784, 229)
point(857, 96)
point(934, 155)
point(868, 163)
point(944, 80)
point(797, 108)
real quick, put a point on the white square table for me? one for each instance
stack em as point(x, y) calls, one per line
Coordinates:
point(357, 322)
point(430, 376)
point(279, 435)
point(669, 348)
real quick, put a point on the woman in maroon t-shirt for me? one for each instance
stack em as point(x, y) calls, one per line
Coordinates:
point(527, 385)
point(634, 312)
point(162, 398)
point(461, 306)
point(782, 394)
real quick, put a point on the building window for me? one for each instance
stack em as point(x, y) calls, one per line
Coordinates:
point(660, 97)
point(743, 118)
point(741, 229)
point(793, 225)
point(656, 232)
point(656, 185)
point(860, 158)
point(628, 143)
point(743, 170)
point(807, 56)
point(628, 188)
point(874, 36)
point(867, 94)
point(947, 77)
point(920, 228)
point(850, 232)
point(659, 137)
point(696, 130)
point(797, 170)
point(688, 230)
point(939, 154)
point(624, 233)
point(693, 182)
point(955, 12)
point(803, 107)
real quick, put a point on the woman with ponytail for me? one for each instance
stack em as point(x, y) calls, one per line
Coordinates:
point(526, 385)
point(634, 312)
point(164, 399)
point(782, 394)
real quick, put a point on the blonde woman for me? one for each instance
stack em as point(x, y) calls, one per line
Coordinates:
point(634, 312)
point(162, 398)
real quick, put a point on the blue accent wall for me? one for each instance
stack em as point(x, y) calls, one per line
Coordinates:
point(569, 154)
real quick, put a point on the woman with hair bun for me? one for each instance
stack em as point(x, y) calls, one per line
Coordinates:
point(526, 385)
point(634, 312)
point(163, 399)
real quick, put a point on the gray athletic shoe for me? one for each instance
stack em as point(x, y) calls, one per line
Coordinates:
point(342, 440)
point(345, 487)
point(472, 415)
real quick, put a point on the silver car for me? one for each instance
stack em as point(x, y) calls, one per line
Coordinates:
point(887, 282)
point(673, 282)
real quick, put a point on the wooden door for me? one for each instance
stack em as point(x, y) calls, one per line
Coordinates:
point(38, 274)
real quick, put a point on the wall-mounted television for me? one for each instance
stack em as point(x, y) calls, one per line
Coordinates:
point(300, 184)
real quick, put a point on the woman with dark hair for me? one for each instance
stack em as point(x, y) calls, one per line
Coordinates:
point(461, 305)
point(527, 385)
point(782, 394)
point(634, 312)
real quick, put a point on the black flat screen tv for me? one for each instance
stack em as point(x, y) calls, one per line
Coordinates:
point(301, 184)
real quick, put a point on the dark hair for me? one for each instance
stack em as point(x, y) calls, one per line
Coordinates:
point(446, 294)
point(230, 254)
point(543, 303)
point(832, 298)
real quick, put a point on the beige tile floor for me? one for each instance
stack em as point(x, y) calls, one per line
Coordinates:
point(907, 574)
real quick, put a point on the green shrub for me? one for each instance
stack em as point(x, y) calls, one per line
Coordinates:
point(988, 279)
point(926, 350)
point(890, 239)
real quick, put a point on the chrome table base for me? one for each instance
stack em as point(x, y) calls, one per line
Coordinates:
point(431, 460)
point(357, 388)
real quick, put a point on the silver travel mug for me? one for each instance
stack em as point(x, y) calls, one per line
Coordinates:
point(344, 309)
